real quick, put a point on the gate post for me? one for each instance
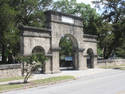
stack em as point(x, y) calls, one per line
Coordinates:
point(81, 60)
point(47, 65)
point(55, 60)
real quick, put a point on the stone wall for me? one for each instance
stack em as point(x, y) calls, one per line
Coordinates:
point(110, 62)
point(10, 70)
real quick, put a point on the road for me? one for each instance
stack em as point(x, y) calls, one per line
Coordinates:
point(111, 82)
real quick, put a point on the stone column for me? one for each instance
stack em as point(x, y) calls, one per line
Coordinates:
point(85, 61)
point(55, 60)
point(47, 65)
point(76, 61)
point(81, 60)
point(95, 61)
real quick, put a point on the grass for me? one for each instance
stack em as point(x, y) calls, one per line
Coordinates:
point(10, 79)
point(53, 79)
point(10, 87)
point(7, 87)
point(121, 67)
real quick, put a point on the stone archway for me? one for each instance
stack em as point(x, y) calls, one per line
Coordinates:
point(39, 50)
point(57, 25)
point(90, 58)
point(69, 56)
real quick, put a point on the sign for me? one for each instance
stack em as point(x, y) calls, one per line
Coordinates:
point(67, 20)
point(68, 58)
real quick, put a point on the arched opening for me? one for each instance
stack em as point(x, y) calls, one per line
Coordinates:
point(90, 58)
point(39, 50)
point(68, 53)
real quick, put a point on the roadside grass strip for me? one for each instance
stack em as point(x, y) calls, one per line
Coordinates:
point(121, 67)
point(34, 83)
point(10, 79)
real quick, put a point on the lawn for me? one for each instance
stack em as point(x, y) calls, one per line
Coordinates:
point(10, 79)
point(121, 67)
point(51, 80)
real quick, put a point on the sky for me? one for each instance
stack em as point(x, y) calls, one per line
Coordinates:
point(87, 2)
point(84, 1)
point(92, 5)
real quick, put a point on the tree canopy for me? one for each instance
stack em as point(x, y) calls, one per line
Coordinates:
point(114, 16)
point(109, 26)
point(14, 13)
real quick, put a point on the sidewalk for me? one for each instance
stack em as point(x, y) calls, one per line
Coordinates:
point(75, 73)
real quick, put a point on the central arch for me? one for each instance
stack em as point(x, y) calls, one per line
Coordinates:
point(68, 55)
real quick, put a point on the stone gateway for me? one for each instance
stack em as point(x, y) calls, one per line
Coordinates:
point(47, 40)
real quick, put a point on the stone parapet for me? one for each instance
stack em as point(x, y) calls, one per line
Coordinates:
point(10, 66)
point(90, 38)
point(10, 70)
point(111, 62)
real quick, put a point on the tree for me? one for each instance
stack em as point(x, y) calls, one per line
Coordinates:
point(7, 18)
point(113, 15)
point(32, 62)
point(120, 51)
point(29, 13)
point(12, 14)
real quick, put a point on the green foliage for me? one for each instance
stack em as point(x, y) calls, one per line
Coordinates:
point(109, 27)
point(12, 14)
point(120, 51)
point(65, 6)
point(32, 62)
point(7, 22)
point(113, 9)
point(29, 13)
point(66, 46)
point(111, 37)
point(37, 59)
point(99, 52)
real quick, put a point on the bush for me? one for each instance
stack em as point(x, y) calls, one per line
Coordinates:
point(32, 62)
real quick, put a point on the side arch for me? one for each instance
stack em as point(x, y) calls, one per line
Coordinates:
point(38, 49)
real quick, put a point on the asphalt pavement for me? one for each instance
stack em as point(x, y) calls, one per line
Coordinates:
point(107, 82)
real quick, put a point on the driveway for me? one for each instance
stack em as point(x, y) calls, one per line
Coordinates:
point(107, 82)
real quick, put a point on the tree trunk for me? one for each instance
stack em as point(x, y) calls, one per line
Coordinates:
point(4, 58)
point(22, 68)
point(27, 77)
point(10, 59)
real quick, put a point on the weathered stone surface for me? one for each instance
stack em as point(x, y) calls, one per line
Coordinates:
point(110, 62)
point(49, 39)
point(10, 70)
